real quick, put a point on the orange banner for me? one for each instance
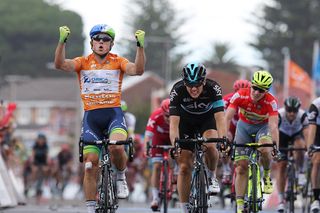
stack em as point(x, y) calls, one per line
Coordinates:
point(299, 78)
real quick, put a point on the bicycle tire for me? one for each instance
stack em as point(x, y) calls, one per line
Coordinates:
point(254, 205)
point(290, 190)
point(307, 192)
point(165, 187)
point(202, 195)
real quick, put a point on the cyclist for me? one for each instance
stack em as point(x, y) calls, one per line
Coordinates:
point(40, 162)
point(64, 167)
point(238, 84)
point(258, 114)
point(196, 107)
point(100, 76)
point(314, 138)
point(293, 123)
point(157, 131)
point(130, 119)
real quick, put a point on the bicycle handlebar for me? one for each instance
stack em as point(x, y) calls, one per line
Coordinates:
point(292, 149)
point(254, 145)
point(109, 142)
point(201, 140)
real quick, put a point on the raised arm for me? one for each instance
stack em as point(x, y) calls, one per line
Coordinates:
point(60, 60)
point(137, 68)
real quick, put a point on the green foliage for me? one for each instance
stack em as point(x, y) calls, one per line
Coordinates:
point(160, 22)
point(29, 36)
point(220, 58)
point(292, 24)
point(142, 113)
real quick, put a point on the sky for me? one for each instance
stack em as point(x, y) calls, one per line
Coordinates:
point(210, 21)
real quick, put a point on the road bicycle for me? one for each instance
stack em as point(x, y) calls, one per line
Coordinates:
point(199, 191)
point(292, 185)
point(307, 192)
point(254, 196)
point(167, 177)
point(107, 189)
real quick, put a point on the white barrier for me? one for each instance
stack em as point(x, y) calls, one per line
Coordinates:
point(7, 192)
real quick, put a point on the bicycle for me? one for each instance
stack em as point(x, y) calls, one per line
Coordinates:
point(198, 199)
point(254, 196)
point(292, 185)
point(166, 189)
point(107, 188)
point(307, 193)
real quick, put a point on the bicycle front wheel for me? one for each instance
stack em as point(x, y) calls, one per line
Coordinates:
point(198, 197)
point(291, 189)
point(107, 193)
point(165, 186)
point(307, 192)
point(253, 194)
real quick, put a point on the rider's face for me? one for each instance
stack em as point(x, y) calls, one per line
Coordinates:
point(195, 91)
point(257, 93)
point(101, 43)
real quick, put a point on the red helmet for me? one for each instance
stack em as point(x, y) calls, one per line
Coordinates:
point(165, 105)
point(238, 84)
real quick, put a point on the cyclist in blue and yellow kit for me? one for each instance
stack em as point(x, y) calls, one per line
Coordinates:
point(100, 76)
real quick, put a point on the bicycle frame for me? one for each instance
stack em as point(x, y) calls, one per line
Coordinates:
point(254, 196)
point(291, 190)
point(107, 191)
point(198, 199)
point(166, 176)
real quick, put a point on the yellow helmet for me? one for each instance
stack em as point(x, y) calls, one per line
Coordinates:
point(262, 79)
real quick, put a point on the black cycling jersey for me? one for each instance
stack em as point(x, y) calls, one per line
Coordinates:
point(40, 154)
point(190, 109)
point(196, 114)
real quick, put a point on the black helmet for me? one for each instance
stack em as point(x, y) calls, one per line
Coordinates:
point(193, 74)
point(292, 104)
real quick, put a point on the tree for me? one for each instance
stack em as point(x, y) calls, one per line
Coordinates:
point(287, 24)
point(29, 36)
point(220, 58)
point(160, 22)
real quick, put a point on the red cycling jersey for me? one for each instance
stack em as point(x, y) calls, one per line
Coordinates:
point(233, 123)
point(254, 113)
point(158, 129)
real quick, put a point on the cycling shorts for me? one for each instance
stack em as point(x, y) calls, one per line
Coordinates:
point(285, 140)
point(244, 134)
point(191, 130)
point(317, 138)
point(99, 123)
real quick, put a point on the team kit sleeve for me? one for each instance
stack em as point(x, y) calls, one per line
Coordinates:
point(273, 108)
point(313, 114)
point(174, 102)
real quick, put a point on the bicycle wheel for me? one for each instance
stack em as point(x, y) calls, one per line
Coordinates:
point(198, 194)
point(290, 189)
point(165, 186)
point(307, 192)
point(253, 198)
point(107, 202)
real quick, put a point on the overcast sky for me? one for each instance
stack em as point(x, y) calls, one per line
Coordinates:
point(211, 21)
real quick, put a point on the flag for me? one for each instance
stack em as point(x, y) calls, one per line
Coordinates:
point(316, 68)
point(299, 78)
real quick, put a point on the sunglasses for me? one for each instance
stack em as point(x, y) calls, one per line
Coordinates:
point(193, 85)
point(255, 88)
point(289, 109)
point(103, 37)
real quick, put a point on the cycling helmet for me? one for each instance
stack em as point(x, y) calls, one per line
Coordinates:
point(262, 79)
point(165, 105)
point(102, 28)
point(124, 106)
point(42, 136)
point(193, 74)
point(292, 103)
point(238, 84)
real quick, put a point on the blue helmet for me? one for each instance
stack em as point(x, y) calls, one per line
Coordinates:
point(193, 74)
point(102, 28)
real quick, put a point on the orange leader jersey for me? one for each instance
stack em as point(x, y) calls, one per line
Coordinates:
point(100, 84)
point(254, 113)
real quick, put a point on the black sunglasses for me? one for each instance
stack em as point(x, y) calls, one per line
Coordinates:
point(290, 109)
point(103, 37)
point(258, 89)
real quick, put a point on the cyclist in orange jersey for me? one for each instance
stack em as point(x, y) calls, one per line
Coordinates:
point(100, 76)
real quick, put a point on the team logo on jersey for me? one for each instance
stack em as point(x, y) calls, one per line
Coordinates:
point(274, 105)
point(173, 94)
point(218, 90)
point(311, 115)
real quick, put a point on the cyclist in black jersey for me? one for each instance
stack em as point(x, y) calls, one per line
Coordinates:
point(293, 123)
point(196, 107)
point(314, 138)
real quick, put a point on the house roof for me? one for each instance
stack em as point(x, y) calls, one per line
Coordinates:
point(42, 89)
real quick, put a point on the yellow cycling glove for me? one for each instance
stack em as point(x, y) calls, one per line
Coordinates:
point(64, 33)
point(140, 38)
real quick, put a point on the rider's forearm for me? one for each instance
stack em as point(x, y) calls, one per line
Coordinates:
point(59, 55)
point(140, 61)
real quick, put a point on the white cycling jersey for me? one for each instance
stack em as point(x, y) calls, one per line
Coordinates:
point(291, 128)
